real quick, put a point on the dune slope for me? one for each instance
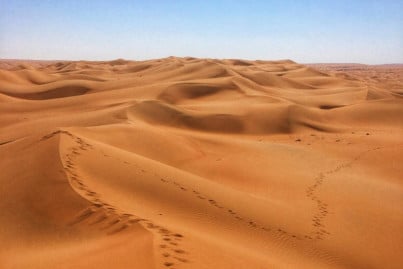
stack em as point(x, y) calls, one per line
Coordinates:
point(200, 163)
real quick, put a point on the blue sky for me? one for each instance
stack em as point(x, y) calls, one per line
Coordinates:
point(304, 31)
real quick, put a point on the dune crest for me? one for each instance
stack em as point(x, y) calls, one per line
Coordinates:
point(200, 163)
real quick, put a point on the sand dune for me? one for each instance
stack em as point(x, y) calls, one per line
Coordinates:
point(200, 163)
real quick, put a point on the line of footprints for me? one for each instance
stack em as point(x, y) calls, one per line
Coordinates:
point(318, 218)
point(112, 221)
point(109, 219)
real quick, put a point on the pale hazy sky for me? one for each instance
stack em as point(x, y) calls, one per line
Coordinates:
point(304, 31)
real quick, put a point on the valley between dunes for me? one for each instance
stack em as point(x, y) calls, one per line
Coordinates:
point(200, 163)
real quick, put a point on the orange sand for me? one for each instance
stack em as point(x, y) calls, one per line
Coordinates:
point(200, 163)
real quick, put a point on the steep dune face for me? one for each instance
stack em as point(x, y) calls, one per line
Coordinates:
point(200, 163)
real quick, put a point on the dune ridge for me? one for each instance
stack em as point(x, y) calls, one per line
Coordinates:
point(200, 163)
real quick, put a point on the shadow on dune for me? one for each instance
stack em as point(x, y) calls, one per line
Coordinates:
point(59, 92)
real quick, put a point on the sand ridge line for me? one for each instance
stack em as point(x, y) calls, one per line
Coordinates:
point(116, 220)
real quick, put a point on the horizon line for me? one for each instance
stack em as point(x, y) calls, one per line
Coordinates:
point(206, 58)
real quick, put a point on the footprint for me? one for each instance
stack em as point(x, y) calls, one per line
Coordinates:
point(123, 227)
point(181, 259)
point(178, 235)
point(99, 219)
point(151, 226)
point(86, 214)
point(110, 224)
point(231, 212)
point(164, 231)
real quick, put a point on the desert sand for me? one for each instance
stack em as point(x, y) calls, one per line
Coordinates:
point(200, 163)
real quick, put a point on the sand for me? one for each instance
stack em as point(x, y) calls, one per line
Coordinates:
point(200, 163)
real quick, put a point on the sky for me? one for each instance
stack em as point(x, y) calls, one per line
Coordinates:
point(305, 31)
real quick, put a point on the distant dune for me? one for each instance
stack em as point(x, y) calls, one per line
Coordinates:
point(200, 163)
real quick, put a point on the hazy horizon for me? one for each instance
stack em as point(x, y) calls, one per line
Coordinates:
point(367, 32)
point(151, 59)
